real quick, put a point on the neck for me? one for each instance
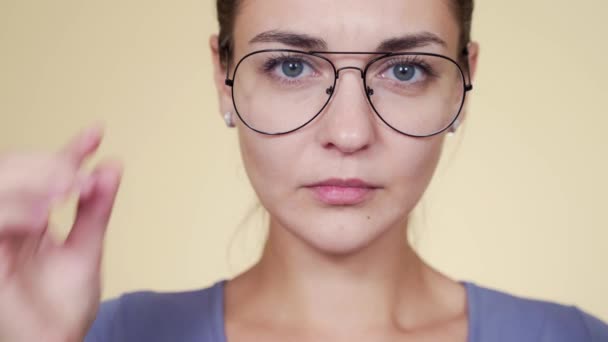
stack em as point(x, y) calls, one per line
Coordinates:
point(376, 285)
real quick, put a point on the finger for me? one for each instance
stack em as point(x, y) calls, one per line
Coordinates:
point(83, 145)
point(21, 174)
point(31, 178)
point(30, 188)
point(26, 248)
point(85, 185)
point(7, 256)
point(67, 183)
point(21, 219)
point(14, 251)
point(94, 211)
point(47, 242)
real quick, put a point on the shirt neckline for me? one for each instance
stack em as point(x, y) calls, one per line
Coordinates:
point(471, 300)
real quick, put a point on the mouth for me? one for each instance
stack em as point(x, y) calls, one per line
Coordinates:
point(342, 192)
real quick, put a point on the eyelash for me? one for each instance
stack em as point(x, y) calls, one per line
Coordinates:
point(415, 61)
point(273, 62)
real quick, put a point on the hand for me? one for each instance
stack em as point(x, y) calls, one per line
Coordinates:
point(50, 290)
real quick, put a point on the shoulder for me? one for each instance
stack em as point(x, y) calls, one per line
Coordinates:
point(499, 316)
point(161, 316)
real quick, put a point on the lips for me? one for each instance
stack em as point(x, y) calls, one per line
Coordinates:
point(342, 191)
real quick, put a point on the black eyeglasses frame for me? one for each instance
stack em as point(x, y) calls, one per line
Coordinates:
point(467, 85)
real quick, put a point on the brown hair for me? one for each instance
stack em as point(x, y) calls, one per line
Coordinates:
point(227, 12)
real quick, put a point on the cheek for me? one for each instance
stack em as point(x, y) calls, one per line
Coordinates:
point(270, 163)
point(412, 170)
point(421, 158)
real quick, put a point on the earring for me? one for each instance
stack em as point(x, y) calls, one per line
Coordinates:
point(229, 119)
point(453, 128)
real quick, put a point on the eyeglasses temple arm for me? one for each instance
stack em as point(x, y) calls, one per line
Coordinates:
point(228, 81)
point(469, 86)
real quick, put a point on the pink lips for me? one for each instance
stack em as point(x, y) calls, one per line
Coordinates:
point(342, 192)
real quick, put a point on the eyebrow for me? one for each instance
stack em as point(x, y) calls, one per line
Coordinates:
point(297, 40)
point(411, 41)
point(306, 42)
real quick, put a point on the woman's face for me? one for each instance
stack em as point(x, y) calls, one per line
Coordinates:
point(347, 141)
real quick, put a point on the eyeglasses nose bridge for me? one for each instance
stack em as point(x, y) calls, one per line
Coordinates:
point(350, 67)
point(368, 90)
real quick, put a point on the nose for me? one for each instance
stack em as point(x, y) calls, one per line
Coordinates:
point(348, 122)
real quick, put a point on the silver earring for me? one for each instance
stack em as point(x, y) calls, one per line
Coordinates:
point(454, 127)
point(228, 118)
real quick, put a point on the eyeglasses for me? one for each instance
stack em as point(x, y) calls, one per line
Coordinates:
point(278, 91)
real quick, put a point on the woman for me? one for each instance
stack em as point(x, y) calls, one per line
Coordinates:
point(341, 119)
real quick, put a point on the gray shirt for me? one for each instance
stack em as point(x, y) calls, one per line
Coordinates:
point(198, 316)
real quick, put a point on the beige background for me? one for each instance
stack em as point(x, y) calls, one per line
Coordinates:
point(518, 204)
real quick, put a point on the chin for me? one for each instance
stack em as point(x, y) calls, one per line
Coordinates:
point(336, 230)
point(338, 238)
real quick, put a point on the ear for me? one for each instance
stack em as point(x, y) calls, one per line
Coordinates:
point(219, 77)
point(473, 50)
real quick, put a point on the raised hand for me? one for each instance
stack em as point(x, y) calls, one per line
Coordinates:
point(50, 290)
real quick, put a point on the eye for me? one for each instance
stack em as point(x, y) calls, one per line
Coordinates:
point(406, 72)
point(292, 68)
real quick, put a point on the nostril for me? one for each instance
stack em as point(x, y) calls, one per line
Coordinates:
point(329, 90)
point(370, 91)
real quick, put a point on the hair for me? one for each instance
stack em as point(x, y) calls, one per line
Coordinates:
point(227, 11)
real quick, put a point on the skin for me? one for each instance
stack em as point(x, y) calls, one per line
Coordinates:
point(331, 272)
point(50, 290)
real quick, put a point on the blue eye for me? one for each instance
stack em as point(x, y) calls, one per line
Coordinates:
point(404, 72)
point(292, 68)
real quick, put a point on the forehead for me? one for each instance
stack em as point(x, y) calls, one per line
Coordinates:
point(347, 25)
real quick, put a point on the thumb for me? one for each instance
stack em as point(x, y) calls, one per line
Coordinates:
point(94, 211)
